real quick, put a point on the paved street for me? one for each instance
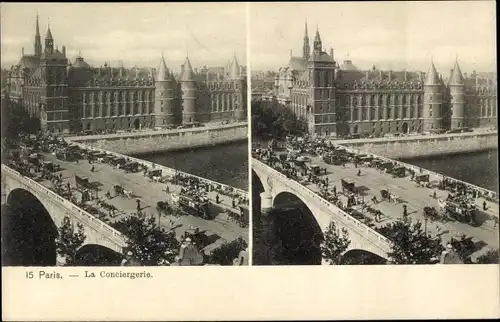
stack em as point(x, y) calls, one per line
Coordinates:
point(149, 194)
point(415, 197)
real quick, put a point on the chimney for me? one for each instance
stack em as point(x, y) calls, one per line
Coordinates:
point(406, 76)
point(64, 50)
point(22, 51)
point(182, 68)
point(331, 53)
point(380, 74)
point(121, 72)
point(390, 76)
point(99, 71)
point(291, 53)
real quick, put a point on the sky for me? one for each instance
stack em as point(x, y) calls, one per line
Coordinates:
point(135, 33)
point(389, 35)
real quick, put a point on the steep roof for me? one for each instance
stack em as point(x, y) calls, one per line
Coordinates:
point(188, 73)
point(49, 34)
point(163, 73)
point(456, 78)
point(347, 65)
point(432, 76)
point(320, 57)
point(29, 61)
point(80, 63)
point(234, 70)
point(297, 63)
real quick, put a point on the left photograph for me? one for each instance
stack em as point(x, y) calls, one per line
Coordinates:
point(124, 135)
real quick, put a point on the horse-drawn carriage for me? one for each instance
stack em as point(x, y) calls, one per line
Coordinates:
point(120, 191)
point(422, 179)
point(348, 184)
point(431, 213)
point(399, 172)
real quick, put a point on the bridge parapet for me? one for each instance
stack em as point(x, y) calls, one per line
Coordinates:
point(104, 229)
point(363, 230)
point(164, 169)
point(432, 175)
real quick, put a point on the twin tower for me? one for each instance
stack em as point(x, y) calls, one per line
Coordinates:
point(193, 97)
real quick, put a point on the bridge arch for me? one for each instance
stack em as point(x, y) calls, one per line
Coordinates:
point(28, 231)
point(297, 229)
point(362, 257)
point(97, 255)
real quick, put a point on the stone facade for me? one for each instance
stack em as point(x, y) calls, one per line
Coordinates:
point(75, 97)
point(338, 100)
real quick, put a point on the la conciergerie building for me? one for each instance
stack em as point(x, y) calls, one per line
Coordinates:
point(338, 100)
point(75, 97)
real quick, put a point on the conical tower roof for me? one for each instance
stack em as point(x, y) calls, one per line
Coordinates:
point(234, 71)
point(318, 37)
point(432, 77)
point(188, 74)
point(456, 78)
point(305, 31)
point(49, 34)
point(163, 73)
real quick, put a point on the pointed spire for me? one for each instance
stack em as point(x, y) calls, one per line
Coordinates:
point(49, 33)
point(38, 41)
point(306, 33)
point(163, 73)
point(234, 71)
point(317, 37)
point(456, 78)
point(37, 26)
point(432, 77)
point(188, 74)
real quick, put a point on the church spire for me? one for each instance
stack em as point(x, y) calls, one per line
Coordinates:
point(49, 41)
point(38, 40)
point(306, 50)
point(317, 42)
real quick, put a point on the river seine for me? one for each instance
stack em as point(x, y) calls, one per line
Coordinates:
point(227, 164)
point(479, 168)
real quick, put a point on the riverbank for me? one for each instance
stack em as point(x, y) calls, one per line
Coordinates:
point(425, 145)
point(137, 143)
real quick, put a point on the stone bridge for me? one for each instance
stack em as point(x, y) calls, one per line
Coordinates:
point(97, 232)
point(275, 184)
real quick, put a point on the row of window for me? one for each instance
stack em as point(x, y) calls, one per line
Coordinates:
point(119, 96)
point(115, 110)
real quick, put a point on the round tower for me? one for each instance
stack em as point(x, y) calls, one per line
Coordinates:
point(188, 88)
point(457, 93)
point(164, 97)
point(433, 100)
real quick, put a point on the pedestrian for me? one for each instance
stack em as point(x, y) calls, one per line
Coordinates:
point(484, 205)
point(495, 219)
point(434, 195)
point(217, 199)
point(138, 206)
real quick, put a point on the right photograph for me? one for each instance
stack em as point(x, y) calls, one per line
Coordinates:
point(374, 133)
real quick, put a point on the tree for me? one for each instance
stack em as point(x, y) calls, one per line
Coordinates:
point(149, 244)
point(272, 119)
point(68, 241)
point(491, 257)
point(335, 243)
point(227, 252)
point(410, 244)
